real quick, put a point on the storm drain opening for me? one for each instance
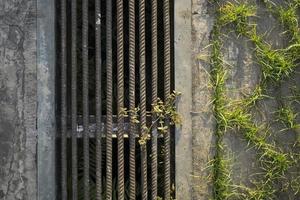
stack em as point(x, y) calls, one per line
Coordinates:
point(113, 58)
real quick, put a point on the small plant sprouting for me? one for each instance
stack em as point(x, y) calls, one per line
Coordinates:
point(164, 115)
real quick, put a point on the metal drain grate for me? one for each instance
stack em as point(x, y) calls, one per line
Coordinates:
point(113, 55)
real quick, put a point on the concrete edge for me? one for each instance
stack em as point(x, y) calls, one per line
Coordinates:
point(183, 84)
point(46, 125)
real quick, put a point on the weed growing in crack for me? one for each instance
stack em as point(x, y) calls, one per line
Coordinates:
point(275, 65)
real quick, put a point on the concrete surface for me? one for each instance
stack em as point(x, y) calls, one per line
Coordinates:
point(18, 100)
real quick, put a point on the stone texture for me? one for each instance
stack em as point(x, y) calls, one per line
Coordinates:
point(17, 100)
point(202, 116)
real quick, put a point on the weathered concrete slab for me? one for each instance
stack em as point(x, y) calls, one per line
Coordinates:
point(17, 100)
point(243, 76)
point(202, 116)
point(183, 72)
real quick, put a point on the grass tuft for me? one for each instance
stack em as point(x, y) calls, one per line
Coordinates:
point(276, 65)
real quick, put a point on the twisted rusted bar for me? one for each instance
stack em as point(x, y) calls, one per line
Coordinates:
point(85, 95)
point(109, 99)
point(120, 91)
point(154, 99)
point(74, 98)
point(63, 99)
point(132, 97)
point(167, 88)
point(98, 99)
point(142, 52)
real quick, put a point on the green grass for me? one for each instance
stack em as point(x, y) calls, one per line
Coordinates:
point(276, 65)
point(221, 177)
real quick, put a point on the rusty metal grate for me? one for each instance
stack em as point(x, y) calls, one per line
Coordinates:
point(112, 55)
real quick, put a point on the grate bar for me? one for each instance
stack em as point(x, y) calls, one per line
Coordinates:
point(63, 99)
point(142, 51)
point(109, 94)
point(85, 94)
point(74, 98)
point(104, 125)
point(120, 91)
point(132, 98)
point(167, 90)
point(98, 101)
point(154, 99)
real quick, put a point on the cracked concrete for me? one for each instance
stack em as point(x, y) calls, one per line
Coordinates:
point(18, 100)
